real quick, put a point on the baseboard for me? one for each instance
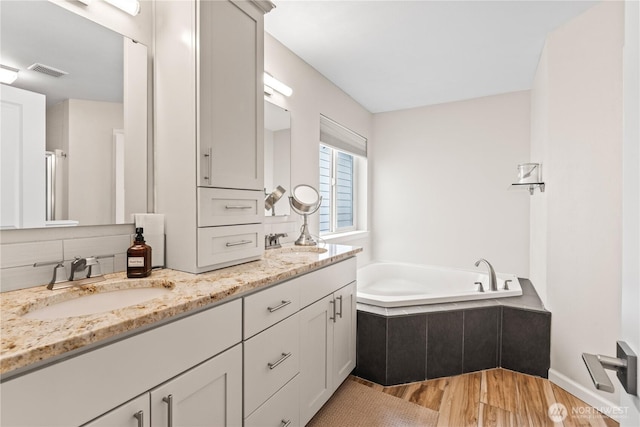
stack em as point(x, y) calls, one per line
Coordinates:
point(589, 397)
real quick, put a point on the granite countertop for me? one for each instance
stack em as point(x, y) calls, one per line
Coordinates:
point(28, 342)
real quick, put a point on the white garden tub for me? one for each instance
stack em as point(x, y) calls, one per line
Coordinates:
point(392, 284)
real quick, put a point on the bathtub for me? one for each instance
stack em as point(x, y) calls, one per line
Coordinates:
point(392, 284)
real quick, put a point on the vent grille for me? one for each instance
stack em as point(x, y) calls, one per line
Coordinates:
point(45, 69)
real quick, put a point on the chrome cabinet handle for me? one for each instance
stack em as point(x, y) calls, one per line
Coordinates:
point(506, 284)
point(209, 159)
point(285, 423)
point(279, 306)
point(237, 207)
point(284, 357)
point(238, 243)
point(169, 401)
point(340, 298)
point(333, 305)
point(140, 417)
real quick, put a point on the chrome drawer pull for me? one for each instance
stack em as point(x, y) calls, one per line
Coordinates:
point(169, 401)
point(278, 307)
point(333, 306)
point(285, 423)
point(284, 357)
point(140, 417)
point(340, 298)
point(237, 207)
point(239, 243)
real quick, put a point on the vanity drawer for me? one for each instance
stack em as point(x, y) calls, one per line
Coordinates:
point(270, 306)
point(281, 408)
point(320, 283)
point(217, 206)
point(270, 361)
point(217, 245)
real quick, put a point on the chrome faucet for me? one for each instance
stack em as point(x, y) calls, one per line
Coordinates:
point(492, 274)
point(272, 241)
point(80, 264)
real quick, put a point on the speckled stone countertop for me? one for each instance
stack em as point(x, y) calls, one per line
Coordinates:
point(25, 342)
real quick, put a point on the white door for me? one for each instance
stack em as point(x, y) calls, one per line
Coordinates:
point(316, 356)
point(22, 154)
point(630, 318)
point(208, 395)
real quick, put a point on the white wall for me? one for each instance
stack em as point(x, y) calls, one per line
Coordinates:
point(312, 95)
point(576, 227)
point(441, 178)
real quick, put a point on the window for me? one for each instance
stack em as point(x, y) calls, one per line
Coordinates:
point(341, 151)
point(337, 190)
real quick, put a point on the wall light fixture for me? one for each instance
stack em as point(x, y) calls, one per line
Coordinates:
point(275, 84)
point(8, 75)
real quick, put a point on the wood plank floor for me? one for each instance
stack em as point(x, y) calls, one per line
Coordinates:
point(495, 397)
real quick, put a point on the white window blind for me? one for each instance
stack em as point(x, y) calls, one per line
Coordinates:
point(339, 137)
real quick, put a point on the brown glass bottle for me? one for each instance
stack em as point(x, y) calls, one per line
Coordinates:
point(139, 257)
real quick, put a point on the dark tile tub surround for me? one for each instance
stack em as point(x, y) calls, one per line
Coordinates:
point(444, 355)
point(406, 344)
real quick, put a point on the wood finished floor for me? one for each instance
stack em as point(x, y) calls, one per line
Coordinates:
point(495, 397)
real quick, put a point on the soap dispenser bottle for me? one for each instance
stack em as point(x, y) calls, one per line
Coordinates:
point(139, 257)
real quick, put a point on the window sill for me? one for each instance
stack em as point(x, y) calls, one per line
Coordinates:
point(346, 237)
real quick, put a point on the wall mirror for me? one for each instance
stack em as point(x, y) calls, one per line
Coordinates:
point(84, 159)
point(277, 155)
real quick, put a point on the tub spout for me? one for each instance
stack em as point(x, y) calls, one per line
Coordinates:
point(492, 274)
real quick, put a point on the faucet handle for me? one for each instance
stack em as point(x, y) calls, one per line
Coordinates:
point(92, 262)
point(479, 288)
point(506, 284)
point(56, 276)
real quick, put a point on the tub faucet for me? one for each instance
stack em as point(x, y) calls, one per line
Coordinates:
point(492, 274)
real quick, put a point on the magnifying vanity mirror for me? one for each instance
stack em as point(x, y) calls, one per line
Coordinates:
point(80, 157)
point(277, 158)
point(305, 200)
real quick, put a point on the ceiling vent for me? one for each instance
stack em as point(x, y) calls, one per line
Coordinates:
point(45, 69)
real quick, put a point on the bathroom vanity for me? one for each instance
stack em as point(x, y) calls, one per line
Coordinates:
point(209, 113)
point(267, 340)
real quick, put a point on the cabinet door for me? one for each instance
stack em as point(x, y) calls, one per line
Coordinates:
point(135, 413)
point(208, 395)
point(316, 354)
point(231, 121)
point(344, 334)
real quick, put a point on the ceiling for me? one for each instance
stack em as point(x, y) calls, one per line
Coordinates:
point(43, 32)
point(392, 55)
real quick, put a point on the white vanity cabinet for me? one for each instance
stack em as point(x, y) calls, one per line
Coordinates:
point(300, 345)
point(176, 358)
point(135, 413)
point(208, 394)
point(327, 348)
point(209, 118)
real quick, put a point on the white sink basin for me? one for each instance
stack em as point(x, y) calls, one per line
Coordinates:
point(96, 303)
